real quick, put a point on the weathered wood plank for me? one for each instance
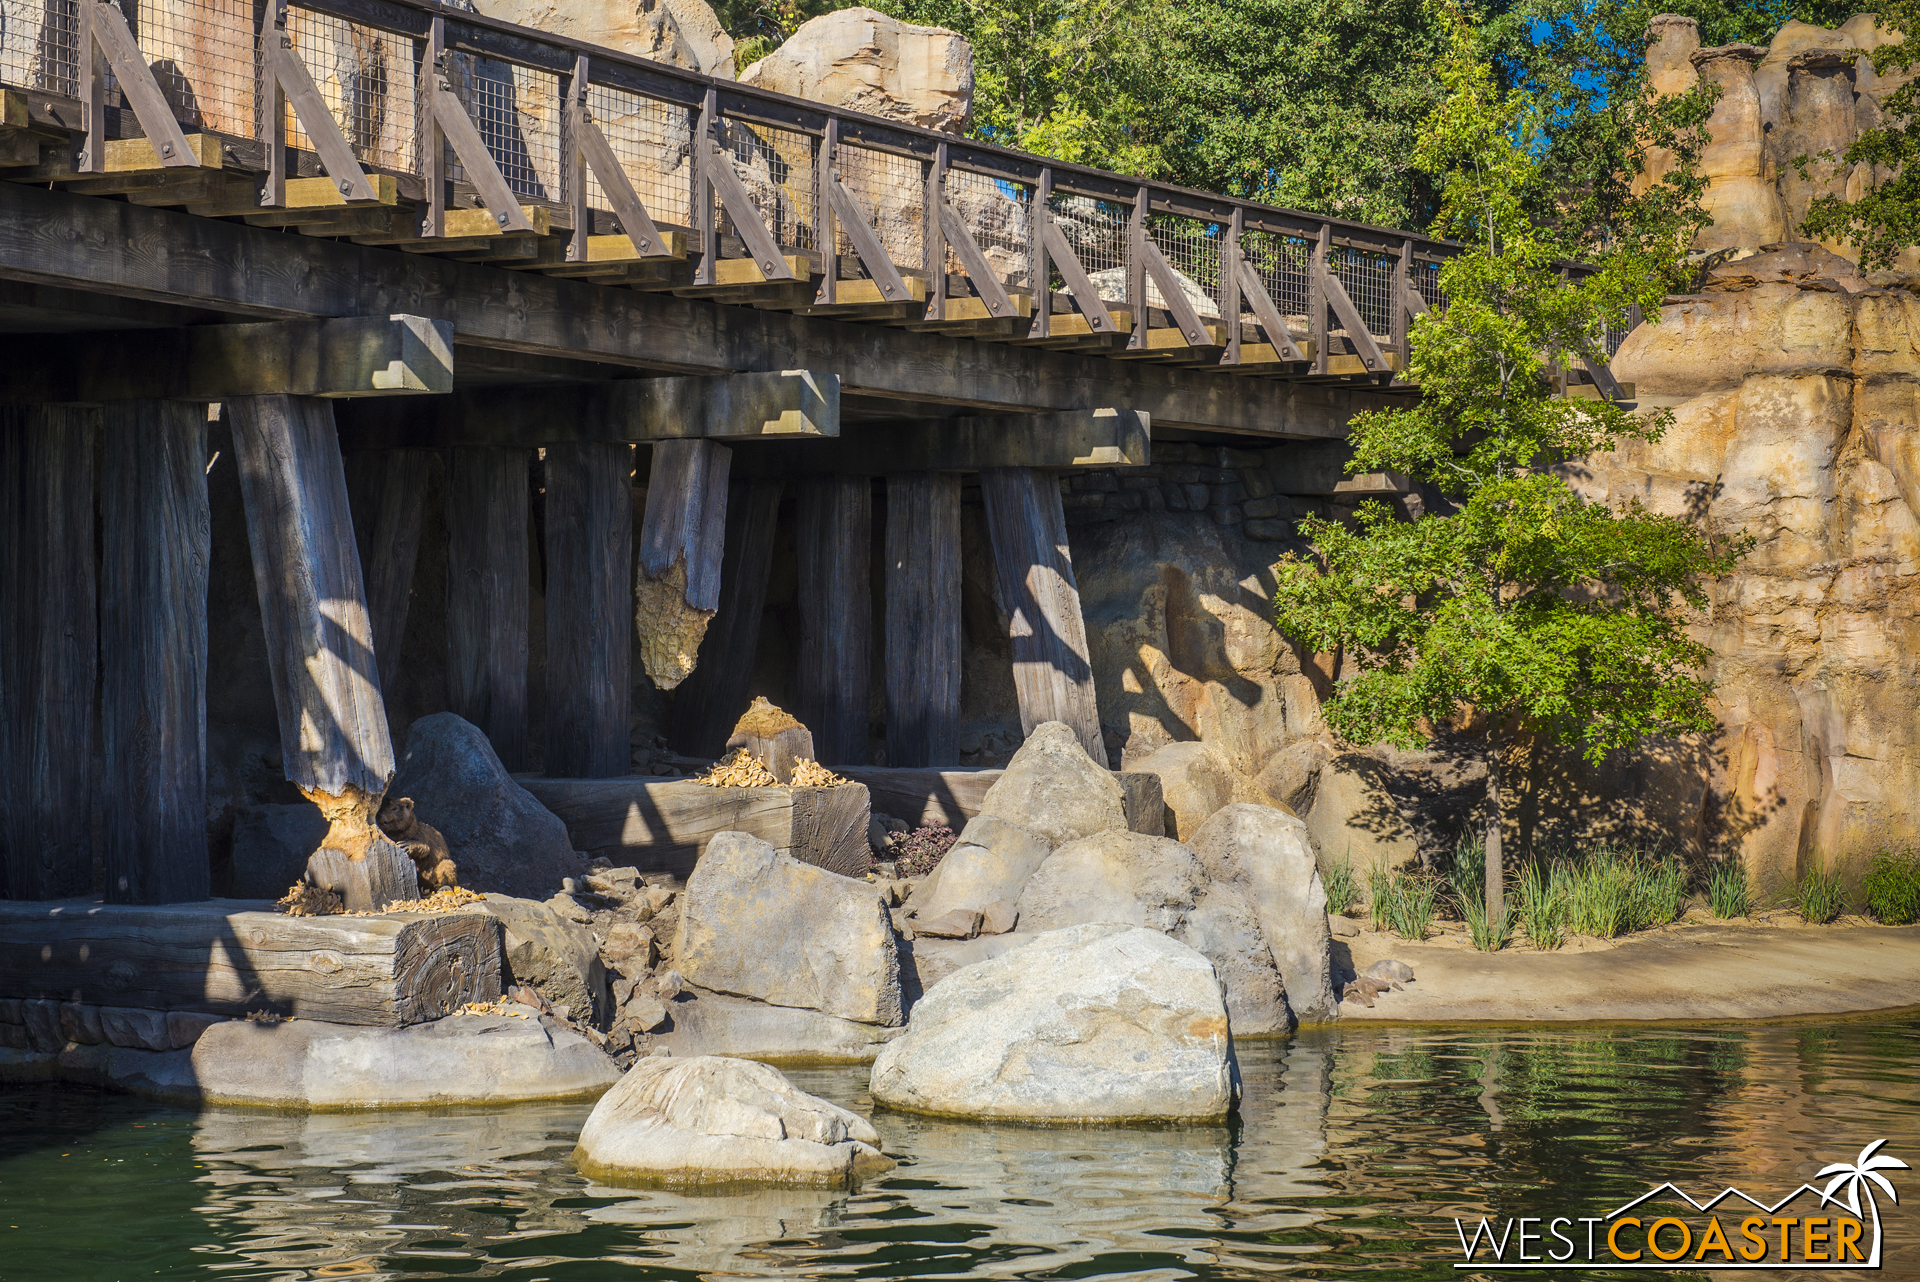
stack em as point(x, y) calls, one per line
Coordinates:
point(234, 956)
point(836, 614)
point(1052, 676)
point(47, 650)
point(388, 494)
point(488, 595)
point(259, 272)
point(923, 619)
point(663, 825)
point(589, 535)
point(709, 702)
point(313, 607)
point(1098, 438)
point(683, 530)
point(157, 536)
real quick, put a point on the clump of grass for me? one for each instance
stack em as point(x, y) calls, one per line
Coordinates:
point(1818, 896)
point(1488, 933)
point(1402, 903)
point(1892, 887)
point(1600, 895)
point(1541, 903)
point(1728, 893)
point(1467, 870)
point(1343, 886)
point(1659, 891)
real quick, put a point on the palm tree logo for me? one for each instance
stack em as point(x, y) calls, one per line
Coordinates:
point(1862, 1175)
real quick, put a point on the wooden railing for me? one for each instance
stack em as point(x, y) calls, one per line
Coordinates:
point(417, 124)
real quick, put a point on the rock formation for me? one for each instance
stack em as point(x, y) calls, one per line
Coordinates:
point(685, 33)
point(868, 61)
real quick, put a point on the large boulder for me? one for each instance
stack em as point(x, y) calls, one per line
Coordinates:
point(1225, 929)
point(866, 60)
point(1118, 876)
point(1196, 779)
point(988, 865)
point(707, 1023)
point(502, 839)
point(757, 923)
point(1096, 1023)
point(710, 1120)
point(685, 33)
point(1054, 788)
point(1264, 855)
point(555, 957)
point(1355, 818)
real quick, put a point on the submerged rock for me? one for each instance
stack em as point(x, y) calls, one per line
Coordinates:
point(715, 1121)
point(1096, 1023)
point(1265, 855)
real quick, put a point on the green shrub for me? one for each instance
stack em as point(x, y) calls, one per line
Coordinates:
point(1542, 903)
point(1728, 893)
point(1402, 903)
point(1819, 897)
point(1892, 886)
point(1343, 887)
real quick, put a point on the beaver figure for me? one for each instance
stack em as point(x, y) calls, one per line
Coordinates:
point(432, 859)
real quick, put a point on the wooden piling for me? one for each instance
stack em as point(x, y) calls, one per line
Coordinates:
point(1051, 672)
point(487, 595)
point(589, 537)
point(923, 619)
point(47, 650)
point(388, 492)
point(712, 699)
point(676, 588)
point(836, 614)
point(313, 609)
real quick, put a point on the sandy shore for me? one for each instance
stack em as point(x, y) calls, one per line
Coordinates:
point(1695, 970)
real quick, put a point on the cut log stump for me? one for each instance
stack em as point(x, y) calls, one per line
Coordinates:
point(233, 957)
point(382, 874)
point(774, 738)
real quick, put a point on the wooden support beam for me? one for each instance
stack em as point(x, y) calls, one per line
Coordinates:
point(1052, 675)
point(1099, 438)
point(48, 650)
point(156, 537)
point(923, 619)
point(836, 614)
point(589, 536)
point(388, 493)
point(487, 595)
point(356, 356)
point(782, 404)
point(709, 702)
point(682, 537)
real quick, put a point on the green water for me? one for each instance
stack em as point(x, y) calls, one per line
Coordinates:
point(1354, 1152)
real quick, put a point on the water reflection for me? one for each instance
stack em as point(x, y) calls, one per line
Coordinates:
point(1353, 1152)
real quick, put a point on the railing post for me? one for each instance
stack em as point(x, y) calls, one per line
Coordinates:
point(825, 173)
point(1039, 262)
point(93, 97)
point(273, 105)
point(1402, 288)
point(934, 239)
point(1230, 286)
point(573, 158)
point(706, 227)
point(1137, 270)
point(432, 144)
point(1318, 328)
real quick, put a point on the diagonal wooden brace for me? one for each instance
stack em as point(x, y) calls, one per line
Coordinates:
point(746, 219)
point(1603, 378)
point(1184, 315)
point(1092, 306)
point(446, 117)
point(1357, 334)
point(992, 292)
point(591, 147)
point(1254, 290)
point(859, 230)
point(283, 74)
point(103, 25)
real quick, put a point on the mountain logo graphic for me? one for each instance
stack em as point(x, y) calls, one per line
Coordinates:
point(1766, 1235)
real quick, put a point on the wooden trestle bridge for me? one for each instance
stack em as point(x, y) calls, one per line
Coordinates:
point(389, 227)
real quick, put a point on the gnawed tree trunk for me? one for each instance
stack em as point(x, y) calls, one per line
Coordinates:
point(676, 588)
point(706, 707)
point(47, 650)
point(774, 738)
point(313, 608)
point(156, 540)
point(836, 614)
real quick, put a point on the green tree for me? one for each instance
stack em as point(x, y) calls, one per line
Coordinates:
point(1886, 219)
point(1523, 604)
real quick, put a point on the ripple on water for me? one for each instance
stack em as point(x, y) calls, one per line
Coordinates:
point(1353, 1152)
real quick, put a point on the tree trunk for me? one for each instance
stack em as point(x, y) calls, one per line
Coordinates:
point(923, 619)
point(835, 527)
point(1496, 877)
point(589, 609)
point(710, 701)
point(487, 595)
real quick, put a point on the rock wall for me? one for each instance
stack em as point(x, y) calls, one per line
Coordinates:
point(871, 62)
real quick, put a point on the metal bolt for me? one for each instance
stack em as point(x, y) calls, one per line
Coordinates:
point(502, 217)
point(643, 245)
point(765, 265)
point(166, 149)
point(346, 188)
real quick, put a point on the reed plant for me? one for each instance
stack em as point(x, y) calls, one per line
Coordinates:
point(1488, 932)
point(1892, 886)
point(1818, 896)
point(1343, 886)
point(1541, 904)
point(1402, 902)
point(1729, 894)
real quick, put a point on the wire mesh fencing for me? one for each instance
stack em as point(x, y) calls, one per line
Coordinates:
point(366, 77)
point(776, 168)
point(203, 57)
point(1368, 280)
point(1192, 248)
point(1096, 231)
point(890, 190)
point(998, 215)
point(653, 141)
point(1281, 263)
point(517, 111)
point(40, 45)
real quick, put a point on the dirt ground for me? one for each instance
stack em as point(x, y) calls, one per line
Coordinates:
point(1773, 966)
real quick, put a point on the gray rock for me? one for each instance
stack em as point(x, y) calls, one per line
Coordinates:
point(1117, 876)
point(1053, 787)
point(707, 1023)
point(957, 923)
point(712, 1120)
point(1001, 916)
point(502, 839)
point(270, 848)
point(990, 863)
point(1095, 1023)
point(1396, 972)
point(556, 958)
point(643, 1012)
point(1265, 854)
point(757, 923)
point(1223, 927)
point(304, 1064)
